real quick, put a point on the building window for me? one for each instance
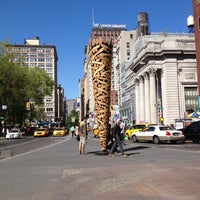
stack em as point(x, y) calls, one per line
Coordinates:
point(40, 55)
point(48, 50)
point(127, 45)
point(49, 65)
point(25, 50)
point(40, 64)
point(33, 55)
point(16, 49)
point(40, 50)
point(33, 49)
point(48, 59)
point(199, 23)
point(33, 59)
point(33, 64)
point(49, 55)
point(41, 59)
point(25, 55)
point(48, 69)
point(191, 101)
point(49, 109)
point(25, 59)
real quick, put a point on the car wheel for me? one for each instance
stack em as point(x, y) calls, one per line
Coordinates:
point(156, 140)
point(173, 142)
point(195, 141)
point(134, 138)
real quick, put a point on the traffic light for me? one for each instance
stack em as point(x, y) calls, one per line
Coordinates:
point(161, 119)
point(28, 105)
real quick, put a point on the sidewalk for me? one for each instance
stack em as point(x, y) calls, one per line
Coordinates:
point(141, 176)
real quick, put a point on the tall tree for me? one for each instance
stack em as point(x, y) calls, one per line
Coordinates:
point(19, 84)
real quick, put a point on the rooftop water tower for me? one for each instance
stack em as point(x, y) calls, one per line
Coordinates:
point(190, 24)
point(143, 24)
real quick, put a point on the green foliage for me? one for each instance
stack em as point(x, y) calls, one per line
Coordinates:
point(19, 84)
point(75, 114)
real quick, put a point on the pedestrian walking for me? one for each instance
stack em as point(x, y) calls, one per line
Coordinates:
point(123, 129)
point(77, 129)
point(83, 136)
point(118, 140)
point(72, 129)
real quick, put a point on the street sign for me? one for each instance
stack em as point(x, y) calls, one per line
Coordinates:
point(198, 102)
point(73, 119)
point(195, 115)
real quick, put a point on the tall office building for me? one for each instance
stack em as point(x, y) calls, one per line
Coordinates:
point(110, 33)
point(45, 57)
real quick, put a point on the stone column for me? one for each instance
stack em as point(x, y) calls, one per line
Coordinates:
point(141, 99)
point(101, 66)
point(153, 108)
point(147, 97)
point(137, 96)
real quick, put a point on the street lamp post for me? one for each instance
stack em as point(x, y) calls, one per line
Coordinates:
point(4, 108)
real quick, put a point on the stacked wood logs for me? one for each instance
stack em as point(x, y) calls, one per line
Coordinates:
point(101, 66)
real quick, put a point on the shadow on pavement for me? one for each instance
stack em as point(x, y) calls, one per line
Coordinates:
point(105, 153)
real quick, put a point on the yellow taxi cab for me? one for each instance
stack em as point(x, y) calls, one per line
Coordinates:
point(59, 132)
point(96, 132)
point(135, 128)
point(89, 128)
point(41, 132)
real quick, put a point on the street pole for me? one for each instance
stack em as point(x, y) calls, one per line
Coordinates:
point(4, 108)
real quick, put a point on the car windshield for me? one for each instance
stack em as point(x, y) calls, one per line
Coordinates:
point(14, 131)
point(151, 128)
point(139, 126)
point(164, 128)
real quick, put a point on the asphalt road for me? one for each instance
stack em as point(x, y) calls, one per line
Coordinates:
point(51, 168)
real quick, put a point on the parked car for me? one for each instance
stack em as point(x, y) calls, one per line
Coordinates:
point(41, 132)
point(158, 134)
point(192, 132)
point(59, 132)
point(135, 128)
point(14, 133)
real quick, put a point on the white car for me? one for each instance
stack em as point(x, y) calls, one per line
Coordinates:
point(158, 134)
point(14, 133)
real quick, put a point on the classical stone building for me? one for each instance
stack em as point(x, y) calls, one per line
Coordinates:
point(164, 76)
point(196, 9)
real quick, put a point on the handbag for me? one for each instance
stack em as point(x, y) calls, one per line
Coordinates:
point(78, 137)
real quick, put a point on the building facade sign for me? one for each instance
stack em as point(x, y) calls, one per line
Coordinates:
point(97, 25)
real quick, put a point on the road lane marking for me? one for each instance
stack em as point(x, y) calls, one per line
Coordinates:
point(35, 150)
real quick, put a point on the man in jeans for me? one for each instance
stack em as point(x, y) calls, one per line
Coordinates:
point(118, 140)
point(83, 136)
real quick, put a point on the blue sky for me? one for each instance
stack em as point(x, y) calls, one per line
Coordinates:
point(67, 24)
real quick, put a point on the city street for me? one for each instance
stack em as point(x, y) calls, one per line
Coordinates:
point(51, 168)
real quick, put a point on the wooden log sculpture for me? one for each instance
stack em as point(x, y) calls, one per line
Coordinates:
point(101, 66)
